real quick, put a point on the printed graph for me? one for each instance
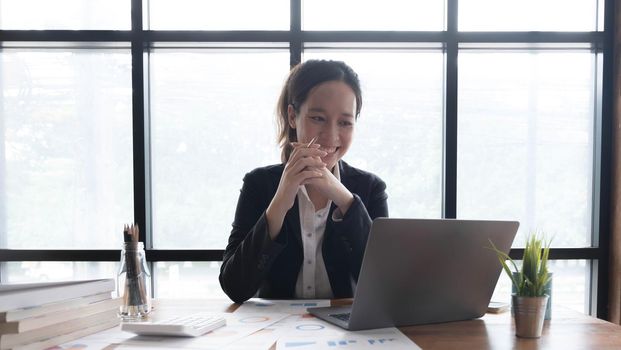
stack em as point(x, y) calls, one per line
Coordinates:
point(341, 343)
point(254, 319)
point(310, 327)
point(351, 343)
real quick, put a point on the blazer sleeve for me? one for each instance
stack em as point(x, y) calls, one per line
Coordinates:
point(353, 230)
point(250, 251)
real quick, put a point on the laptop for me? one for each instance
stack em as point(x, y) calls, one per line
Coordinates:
point(419, 271)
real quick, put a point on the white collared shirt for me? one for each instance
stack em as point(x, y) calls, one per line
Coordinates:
point(313, 281)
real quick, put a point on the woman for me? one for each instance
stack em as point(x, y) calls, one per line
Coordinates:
point(301, 227)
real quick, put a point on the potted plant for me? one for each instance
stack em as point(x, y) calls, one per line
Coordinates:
point(530, 300)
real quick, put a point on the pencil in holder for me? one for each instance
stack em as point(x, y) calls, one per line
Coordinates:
point(134, 282)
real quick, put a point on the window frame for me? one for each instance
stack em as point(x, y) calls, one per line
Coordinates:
point(601, 42)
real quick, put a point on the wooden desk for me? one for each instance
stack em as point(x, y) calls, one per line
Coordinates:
point(567, 329)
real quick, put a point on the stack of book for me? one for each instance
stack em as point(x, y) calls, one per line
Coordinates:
point(42, 315)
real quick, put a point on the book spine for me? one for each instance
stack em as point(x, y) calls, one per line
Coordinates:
point(50, 319)
point(42, 295)
point(53, 341)
point(11, 340)
point(34, 311)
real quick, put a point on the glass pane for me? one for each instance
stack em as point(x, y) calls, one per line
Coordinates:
point(570, 282)
point(399, 133)
point(372, 15)
point(65, 14)
point(212, 122)
point(527, 15)
point(67, 137)
point(219, 15)
point(52, 271)
point(525, 143)
point(188, 280)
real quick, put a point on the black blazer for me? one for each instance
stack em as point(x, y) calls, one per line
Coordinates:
point(252, 261)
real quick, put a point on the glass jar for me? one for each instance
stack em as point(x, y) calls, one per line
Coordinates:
point(134, 282)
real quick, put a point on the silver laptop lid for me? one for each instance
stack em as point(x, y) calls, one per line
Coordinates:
point(418, 271)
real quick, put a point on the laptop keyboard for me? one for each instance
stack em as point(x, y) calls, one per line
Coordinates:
point(342, 317)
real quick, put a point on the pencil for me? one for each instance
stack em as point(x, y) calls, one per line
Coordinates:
point(311, 142)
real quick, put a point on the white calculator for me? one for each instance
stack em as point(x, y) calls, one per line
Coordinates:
point(184, 326)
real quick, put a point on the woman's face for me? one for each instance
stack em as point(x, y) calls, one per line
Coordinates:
point(328, 114)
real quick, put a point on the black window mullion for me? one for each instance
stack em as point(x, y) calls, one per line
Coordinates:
point(154, 255)
point(71, 255)
point(138, 120)
point(295, 27)
point(606, 160)
point(450, 114)
point(55, 35)
point(141, 142)
point(529, 37)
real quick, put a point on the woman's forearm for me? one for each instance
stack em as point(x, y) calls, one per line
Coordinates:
point(275, 216)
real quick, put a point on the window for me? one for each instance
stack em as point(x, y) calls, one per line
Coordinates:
point(570, 285)
point(52, 271)
point(67, 164)
point(65, 14)
point(153, 111)
point(525, 141)
point(188, 279)
point(528, 15)
point(197, 169)
point(402, 98)
point(220, 15)
point(372, 15)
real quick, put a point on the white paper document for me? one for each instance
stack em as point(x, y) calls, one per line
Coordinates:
point(305, 325)
point(385, 338)
point(292, 326)
point(258, 324)
point(261, 340)
point(306, 331)
point(97, 341)
point(265, 338)
point(292, 307)
point(238, 326)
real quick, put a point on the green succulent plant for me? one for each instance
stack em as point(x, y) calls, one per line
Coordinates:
point(531, 279)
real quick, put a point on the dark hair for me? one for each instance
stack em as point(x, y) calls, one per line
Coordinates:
point(302, 79)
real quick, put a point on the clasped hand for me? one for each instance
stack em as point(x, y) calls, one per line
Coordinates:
point(305, 167)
